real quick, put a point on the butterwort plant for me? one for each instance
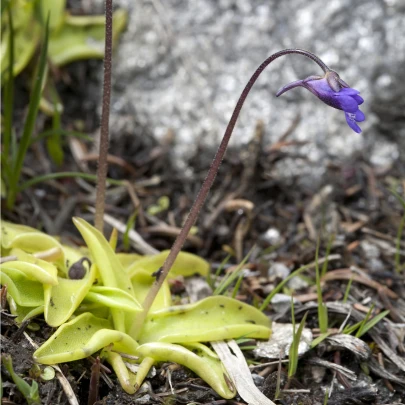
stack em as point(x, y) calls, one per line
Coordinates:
point(329, 88)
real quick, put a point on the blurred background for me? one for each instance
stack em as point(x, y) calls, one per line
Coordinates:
point(181, 66)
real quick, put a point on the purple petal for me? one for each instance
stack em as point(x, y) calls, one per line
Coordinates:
point(289, 87)
point(359, 99)
point(359, 117)
point(352, 123)
point(348, 91)
point(318, 87)
point(347, 103)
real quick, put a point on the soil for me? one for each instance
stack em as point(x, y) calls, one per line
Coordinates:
point(248, 207)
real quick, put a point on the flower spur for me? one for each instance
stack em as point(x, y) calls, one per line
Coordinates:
point(333, 91)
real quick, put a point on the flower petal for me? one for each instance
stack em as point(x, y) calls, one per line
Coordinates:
point(352, 123)
point(359, 99)
point(347, 103)
point(359, 117)
point(348, 91)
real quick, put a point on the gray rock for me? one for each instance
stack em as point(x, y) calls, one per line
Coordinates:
point(197, 288)
point(280, 342)
point(278, 270)
point(272, 236)
point(182, 66)
point(297, 283)
point(143, 400)
point(281, 303)
point(372, 255)
point(257, 379)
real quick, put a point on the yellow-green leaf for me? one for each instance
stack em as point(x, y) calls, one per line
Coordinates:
point(27, 33)
point(32, 269)
point(25, 292)
point(23, 313)
point(207, 366)
point(80, 338)
point(29, 240)
point(109, 267)
point(142, 282)
point(214, 318)
point(82, 37)
point(111, 272)
point(98, 310)
point(128, 259)
point(113, 298)
point(126, 378)
point(56, 11)
point(10, 231)
point(186, 264)
point(61, 300)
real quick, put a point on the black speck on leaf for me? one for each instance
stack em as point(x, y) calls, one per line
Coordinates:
point(77, 271)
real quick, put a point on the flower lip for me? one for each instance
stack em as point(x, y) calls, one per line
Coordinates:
point(335, 92)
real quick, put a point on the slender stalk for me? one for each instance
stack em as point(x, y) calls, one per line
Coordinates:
point(105, 117)
point(162, 273)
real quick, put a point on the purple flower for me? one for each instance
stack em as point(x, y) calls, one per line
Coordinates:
point(333, 91)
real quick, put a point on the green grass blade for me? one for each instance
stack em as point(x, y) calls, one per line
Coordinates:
point(60, 132)
point(348, 330)
point(30, 119)
point(322, 309)
point(30, 392)
point(5, 167)
point(231, 277)
point(398, 266)
point(4, 4)
point(62, 175)
point(279, 286)
point(320, 339)
point(9, 92)
point(349, 285)
point(211, 280)
point(326, 397)
point(278, 382)
point(364, 321)
point(372, 322)
point(53, 143)
point(293, 355)
point(129, 226)
point(328, 248)
point(237, 286)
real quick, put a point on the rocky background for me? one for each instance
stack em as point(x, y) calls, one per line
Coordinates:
point(181, 66)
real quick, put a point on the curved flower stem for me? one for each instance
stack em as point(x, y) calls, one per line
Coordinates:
point(161, 274)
